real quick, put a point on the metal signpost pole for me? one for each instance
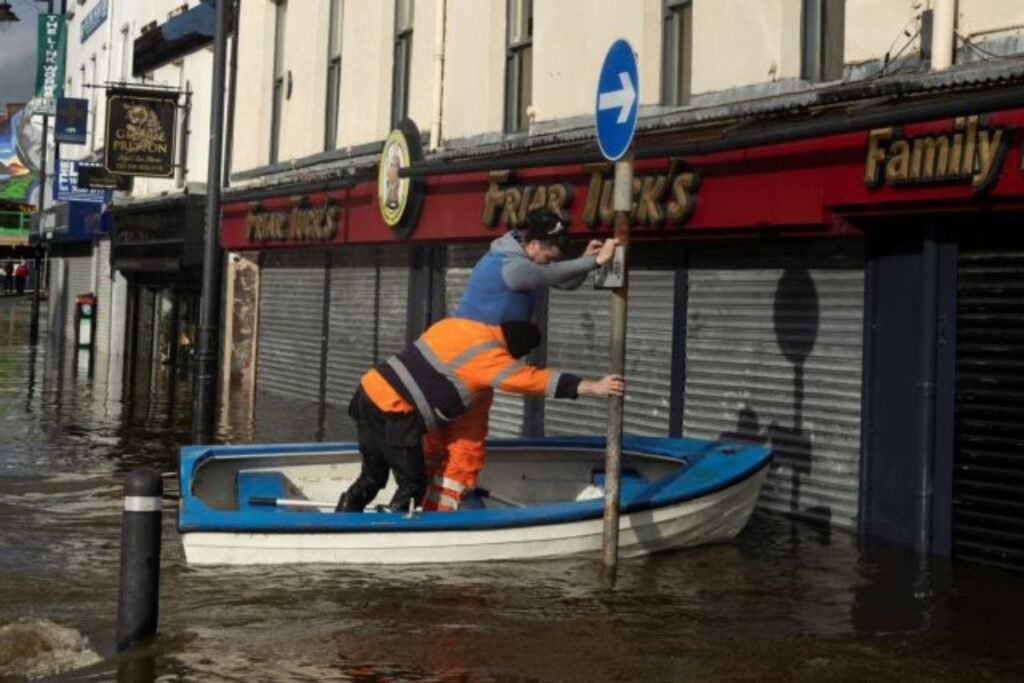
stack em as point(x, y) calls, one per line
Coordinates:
point(623, 200)
point(206, 353)
point(615, 114)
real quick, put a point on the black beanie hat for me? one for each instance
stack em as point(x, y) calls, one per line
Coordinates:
point(521, 337)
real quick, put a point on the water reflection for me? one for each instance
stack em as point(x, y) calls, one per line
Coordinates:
point(785, 601)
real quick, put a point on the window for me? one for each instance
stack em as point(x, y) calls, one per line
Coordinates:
point(277, 104)
point(821, 57)
point(93, 81)
point(333, 75)
point(403, 54)
point(518, 65)
point(677, 51)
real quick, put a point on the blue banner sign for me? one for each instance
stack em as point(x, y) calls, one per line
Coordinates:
point(94, 19)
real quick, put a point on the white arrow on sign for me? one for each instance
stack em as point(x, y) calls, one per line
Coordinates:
point(622, 98)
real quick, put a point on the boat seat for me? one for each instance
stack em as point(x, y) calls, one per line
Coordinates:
point(259, 485)
point(630, 482)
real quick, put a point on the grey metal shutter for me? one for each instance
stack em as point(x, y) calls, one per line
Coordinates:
point(988, 478)
point(773, 355)
point(508, 409)
point(579, 324)
point(104, 300)
point(290, 324)
point(392, 299)
point(79, 281)
point(350, 344)
point(369, 298)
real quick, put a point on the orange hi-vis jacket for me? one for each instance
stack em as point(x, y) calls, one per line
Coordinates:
point(440, 374)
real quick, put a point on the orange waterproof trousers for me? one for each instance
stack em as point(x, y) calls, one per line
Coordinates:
point(454, 455)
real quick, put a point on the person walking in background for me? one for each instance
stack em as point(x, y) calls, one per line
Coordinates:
point(21, 275)
point(9, 276)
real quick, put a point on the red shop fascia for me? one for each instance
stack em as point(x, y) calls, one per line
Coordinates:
point(820, 187)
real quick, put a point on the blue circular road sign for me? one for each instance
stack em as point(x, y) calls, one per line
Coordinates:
point(618, 92)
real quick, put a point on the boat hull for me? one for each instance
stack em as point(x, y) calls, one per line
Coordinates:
point(716, 517)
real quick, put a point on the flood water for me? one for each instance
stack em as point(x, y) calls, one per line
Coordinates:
point(784, 602)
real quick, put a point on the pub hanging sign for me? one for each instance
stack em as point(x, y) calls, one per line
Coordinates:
point(140, 133)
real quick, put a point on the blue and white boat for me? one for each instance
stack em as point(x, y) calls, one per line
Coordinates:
point(539, 498)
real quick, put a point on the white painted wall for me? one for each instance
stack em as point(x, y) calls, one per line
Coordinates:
point(736, 43)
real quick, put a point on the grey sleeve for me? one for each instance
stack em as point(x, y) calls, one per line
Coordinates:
point(522, 273)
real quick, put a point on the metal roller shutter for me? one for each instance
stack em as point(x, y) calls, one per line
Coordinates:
point(988, 479)
point(350, 348)
point(392, 300)
point(578, 341)
point(103, 297)
point(79, 281)
point(508, 409)
point(369, 298)
point(290, 325)
point(773, 355)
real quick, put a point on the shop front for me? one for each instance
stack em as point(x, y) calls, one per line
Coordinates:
point(832, 298)
point(156, 245)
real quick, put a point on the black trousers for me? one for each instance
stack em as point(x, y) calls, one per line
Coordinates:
point(388, 442)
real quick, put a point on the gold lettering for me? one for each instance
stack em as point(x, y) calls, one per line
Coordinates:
point(649, 206)
point(898, 167)
point(513, 195)
point(924, 165)
point(969, 144)
point(990, 156)
point(539, 199)
point(678, 210)
point(593, 198)
point(876, 155)
point(560, 199)
point(605, 209)
point(494, 198)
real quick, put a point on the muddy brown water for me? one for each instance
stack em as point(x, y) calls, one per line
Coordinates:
point(786, 601)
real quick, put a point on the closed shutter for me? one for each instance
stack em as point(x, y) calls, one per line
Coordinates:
point(579, 324)
point(988, 479)
point(392, 300)
point(104, 301)
point(369, 298)
point(79, 281)
point(508, 409)
point(773, 355)
point(290, 325)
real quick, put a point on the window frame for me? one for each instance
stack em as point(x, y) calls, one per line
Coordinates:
point(676, 52)
point(518, 65)
point(277, 87)
point(332, 109)
point(405, 12)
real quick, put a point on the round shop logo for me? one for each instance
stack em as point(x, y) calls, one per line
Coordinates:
point(400, 199)
point(392, 191)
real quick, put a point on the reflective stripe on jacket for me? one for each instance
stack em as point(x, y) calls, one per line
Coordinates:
point(451, 362)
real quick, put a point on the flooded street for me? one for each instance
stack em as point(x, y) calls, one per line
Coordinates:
point(785, 602)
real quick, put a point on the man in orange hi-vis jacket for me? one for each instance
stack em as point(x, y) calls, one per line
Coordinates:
point(434, 384)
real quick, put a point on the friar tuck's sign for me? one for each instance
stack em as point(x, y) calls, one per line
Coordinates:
point(140, 133)
point(303, 223)
point(972, 151)
point(658, 198)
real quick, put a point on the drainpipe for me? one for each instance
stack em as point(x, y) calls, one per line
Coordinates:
point(943, 34)
point(439, 40)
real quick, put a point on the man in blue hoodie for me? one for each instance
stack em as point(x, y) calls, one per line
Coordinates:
point(502, 288)
point(503, 284)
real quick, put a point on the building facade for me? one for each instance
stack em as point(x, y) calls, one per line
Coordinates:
point(823, 253)
point(142, 260)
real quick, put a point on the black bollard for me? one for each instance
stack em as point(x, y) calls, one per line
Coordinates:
point(140, 558)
